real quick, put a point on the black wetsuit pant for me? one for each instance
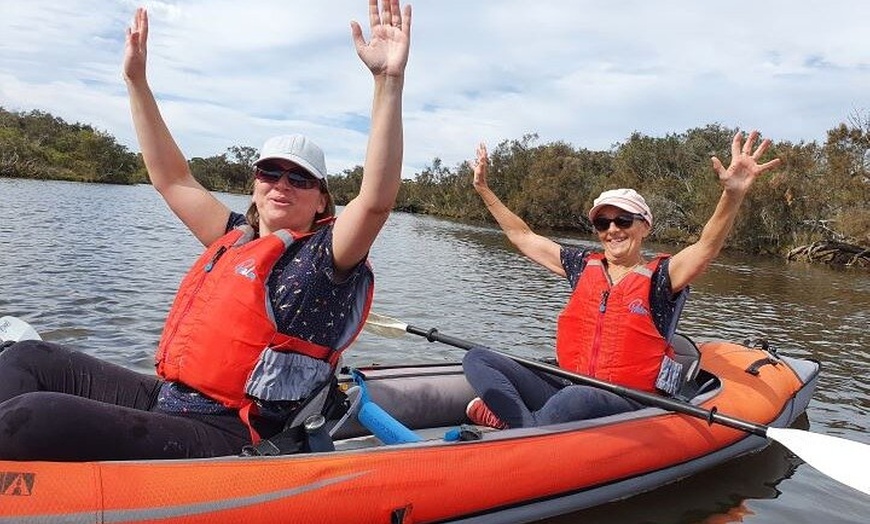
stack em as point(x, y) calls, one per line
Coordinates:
point(63, 405)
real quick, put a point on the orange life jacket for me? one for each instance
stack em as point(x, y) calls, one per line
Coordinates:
point(608, 332)
point(221, 322)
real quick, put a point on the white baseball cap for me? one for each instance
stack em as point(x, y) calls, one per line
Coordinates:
point(297, 149)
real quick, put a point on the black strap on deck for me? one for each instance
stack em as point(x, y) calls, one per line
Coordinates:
point(328, 401)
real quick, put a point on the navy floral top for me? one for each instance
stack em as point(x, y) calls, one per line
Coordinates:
point(306, 277)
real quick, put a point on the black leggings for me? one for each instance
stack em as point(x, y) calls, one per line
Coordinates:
point(63, 405)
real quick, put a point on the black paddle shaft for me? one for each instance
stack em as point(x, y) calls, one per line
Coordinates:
point(648, 399)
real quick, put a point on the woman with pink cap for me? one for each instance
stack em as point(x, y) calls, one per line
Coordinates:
point(252, 340)
point(623, 309)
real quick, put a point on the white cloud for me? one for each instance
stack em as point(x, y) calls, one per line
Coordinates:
point(588, 73)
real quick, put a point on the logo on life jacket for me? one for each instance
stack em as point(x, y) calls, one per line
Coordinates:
point(636, 306)
point(246, 269)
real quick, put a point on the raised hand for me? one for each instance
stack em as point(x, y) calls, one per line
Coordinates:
point(481, 166)
point(136, 47)
point(386, 53)
point(744, 166)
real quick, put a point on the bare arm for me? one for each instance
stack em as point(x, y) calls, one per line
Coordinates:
point(538, 248)
point(689, 263)
point(386, 55)
point(201, 212)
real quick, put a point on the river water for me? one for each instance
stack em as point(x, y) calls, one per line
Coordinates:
point(96, 266)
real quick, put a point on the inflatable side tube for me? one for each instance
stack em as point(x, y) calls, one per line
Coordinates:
point(382, 425)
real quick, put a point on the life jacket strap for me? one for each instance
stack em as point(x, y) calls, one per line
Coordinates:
point(287, 343)
point(328, 400)
point(245, 413)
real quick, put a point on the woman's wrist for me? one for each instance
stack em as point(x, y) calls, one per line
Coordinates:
point(488, 197)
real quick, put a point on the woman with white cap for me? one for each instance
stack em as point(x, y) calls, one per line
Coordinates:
point(261, 318)
point(624, 307)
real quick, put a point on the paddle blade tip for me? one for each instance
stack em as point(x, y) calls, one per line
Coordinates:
point(846, 461)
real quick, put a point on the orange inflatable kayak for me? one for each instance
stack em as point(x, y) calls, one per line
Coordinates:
point(513, 475)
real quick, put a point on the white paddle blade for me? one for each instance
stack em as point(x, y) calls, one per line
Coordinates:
point(843, 460)
point(384, 326)
point(15, 330)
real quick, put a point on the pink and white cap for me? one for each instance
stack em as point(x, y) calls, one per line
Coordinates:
point(625, 199)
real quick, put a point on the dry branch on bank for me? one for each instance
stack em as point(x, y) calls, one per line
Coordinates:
point(832, 253)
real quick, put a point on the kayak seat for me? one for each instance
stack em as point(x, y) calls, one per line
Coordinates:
point(687, 354)
point(433, 396)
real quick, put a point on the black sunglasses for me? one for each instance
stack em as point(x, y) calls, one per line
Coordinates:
point(622, 221)
point(297, 179)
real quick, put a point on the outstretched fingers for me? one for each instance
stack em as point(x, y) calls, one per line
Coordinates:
point(481, 166)
point(762, 149)
point(393, 14)
point(389, 15)
point(137, 31)
point(718, 168)
point(759, 152)
point(374, 21)
point(481, 153)
point(135, 47)
point(142, 23)
point(769, 165)
point(745, 156)
point(741, 147)
point(750, 142)
point(736, 144)
point(139, 26)
point(386, 51)
point(405, 21)
point(374, 14)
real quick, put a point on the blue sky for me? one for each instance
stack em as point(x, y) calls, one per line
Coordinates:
point(588, 73)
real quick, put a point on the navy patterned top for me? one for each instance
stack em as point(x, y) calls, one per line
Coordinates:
point(306, 277)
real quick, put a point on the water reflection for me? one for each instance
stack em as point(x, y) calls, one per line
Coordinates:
point(726, 493)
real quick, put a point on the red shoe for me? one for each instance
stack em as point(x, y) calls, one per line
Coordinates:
point(480, 414)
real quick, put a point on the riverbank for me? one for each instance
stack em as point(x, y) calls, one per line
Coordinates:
point(819, 194)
